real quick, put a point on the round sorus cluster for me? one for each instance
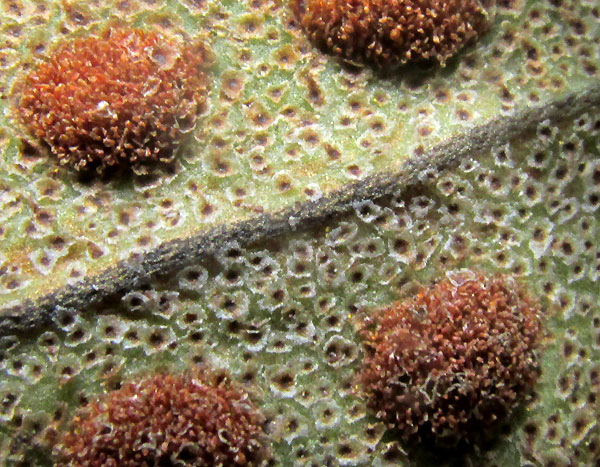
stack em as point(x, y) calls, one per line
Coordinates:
point(452, 362)
point(388, 32)
point(167, 420)
point(124, 97)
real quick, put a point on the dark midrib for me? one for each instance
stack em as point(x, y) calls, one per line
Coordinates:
point(33, 314)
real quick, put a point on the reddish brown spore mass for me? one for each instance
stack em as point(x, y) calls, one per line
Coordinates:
point(166, 420)
point(388, 32)
point(454, 361)
point(124, 97)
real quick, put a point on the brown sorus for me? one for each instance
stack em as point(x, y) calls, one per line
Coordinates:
point(119, 98)
point(165, 420)
point(453, 361)
point(389, 32)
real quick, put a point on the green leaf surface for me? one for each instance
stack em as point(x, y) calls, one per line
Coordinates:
point(286, 124)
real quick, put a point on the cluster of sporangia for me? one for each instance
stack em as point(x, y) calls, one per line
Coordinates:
point(125, 97)
point(451, 363)
point(388, 32)
point(201, 420)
